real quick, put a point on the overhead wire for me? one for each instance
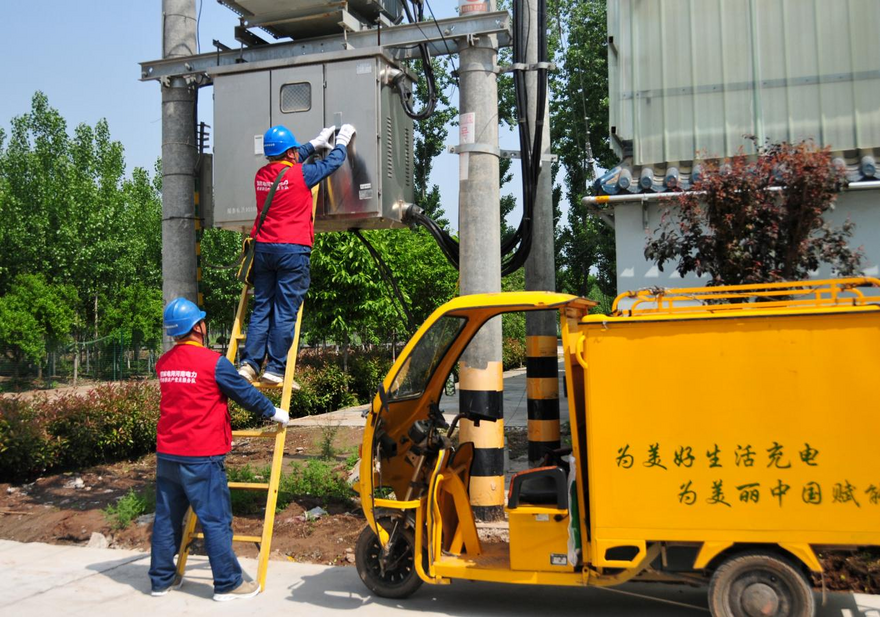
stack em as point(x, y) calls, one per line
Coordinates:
point(198, 21)
point(515, 250)
point(427, 67)
point(403, 309)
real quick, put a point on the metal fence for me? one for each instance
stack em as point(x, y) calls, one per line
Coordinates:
point(105, 359)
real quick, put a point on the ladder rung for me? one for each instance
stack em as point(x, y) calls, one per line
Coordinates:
point(200, 536)
point(254, 433)
point(263, 486)
point(259, 385)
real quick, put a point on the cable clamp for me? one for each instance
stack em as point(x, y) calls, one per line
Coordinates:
point(480, 148)
point(516, 154)
point(519, 66)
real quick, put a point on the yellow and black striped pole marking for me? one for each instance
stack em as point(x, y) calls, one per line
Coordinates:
point(481, 395)
point(542, 389)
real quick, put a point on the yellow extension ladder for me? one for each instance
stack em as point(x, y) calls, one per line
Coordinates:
point(278, 433)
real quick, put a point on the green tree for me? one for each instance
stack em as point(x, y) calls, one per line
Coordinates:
point(33, 314)
point(71, 216)
point(220, 288)
point(579, 129)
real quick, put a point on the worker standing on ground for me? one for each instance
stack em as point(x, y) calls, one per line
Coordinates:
point(284, 243)
point(193, 437)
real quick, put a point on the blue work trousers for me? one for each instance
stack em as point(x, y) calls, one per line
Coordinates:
point(202, 485)
point(281, 280)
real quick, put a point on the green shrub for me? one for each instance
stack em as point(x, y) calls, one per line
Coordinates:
point(367, 370)
point(322, 389)
point(25, 449)
point(241, 418)
point(129, 507)
point(112, 422)
point(326, 443)
point(352, 459)
point(246, 501)
point(316, 479)
point(513, 353)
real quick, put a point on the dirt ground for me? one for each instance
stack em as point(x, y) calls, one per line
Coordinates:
point(60, 509)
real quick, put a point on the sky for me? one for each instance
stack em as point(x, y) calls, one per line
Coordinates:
point(84, 56)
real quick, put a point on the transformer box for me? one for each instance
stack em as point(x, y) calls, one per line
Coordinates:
point(306, 94)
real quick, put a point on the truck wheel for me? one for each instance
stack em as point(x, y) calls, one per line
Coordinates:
point(400, 579)
point(759, 585)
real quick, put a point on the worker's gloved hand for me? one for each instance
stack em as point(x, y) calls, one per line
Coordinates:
point(345, 134)
point(281, 417)
point(322, 141)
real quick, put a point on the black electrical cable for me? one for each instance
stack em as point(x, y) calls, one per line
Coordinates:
point(427, 66)
point(385, 272)
point(515, 250)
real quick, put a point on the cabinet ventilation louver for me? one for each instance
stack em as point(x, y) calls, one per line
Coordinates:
point(389, 153)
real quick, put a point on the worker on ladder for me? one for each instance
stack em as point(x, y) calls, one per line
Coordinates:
point(284, 243)
point(193, 437)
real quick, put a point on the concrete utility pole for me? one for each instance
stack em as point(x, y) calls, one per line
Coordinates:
point(179, 156)
point(481, 384)
point(542, 379)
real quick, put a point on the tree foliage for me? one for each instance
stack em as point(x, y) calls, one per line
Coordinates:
point(34, 313)
point(758, 220)
point(81, 240)
point(579, 130)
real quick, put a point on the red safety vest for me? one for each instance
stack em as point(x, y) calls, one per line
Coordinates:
point(289, 220)
point(193, 414)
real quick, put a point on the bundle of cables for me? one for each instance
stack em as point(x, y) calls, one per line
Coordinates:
point(427, 66)
point(515, 250)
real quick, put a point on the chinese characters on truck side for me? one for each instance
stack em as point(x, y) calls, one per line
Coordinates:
point(745, 456)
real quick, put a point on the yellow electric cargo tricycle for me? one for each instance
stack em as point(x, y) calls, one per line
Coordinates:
point(719, 434)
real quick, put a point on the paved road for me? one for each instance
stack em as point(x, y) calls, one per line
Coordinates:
point(43, 579)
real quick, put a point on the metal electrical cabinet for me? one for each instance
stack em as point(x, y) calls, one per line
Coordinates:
point(306, 94)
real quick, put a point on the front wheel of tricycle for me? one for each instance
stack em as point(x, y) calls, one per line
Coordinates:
point(398, 579)
point(759, 584)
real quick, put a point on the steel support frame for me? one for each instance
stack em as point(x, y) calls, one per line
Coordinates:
point(401, 40)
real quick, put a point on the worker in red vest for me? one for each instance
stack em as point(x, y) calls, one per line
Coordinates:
point(284, 244)
point(192, 439)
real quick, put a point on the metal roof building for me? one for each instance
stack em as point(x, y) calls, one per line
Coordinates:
point(694, 79)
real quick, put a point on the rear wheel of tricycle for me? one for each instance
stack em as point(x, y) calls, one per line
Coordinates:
point(398, 578)
point(760, 585)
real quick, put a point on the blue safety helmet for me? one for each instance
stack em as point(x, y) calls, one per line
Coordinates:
point(181, 316)
point(278, 140)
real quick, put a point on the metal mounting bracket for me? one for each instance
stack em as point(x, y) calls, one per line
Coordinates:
point(516, 154)
point(481, 148)
point(519, 66)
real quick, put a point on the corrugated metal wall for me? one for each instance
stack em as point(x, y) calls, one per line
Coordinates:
point(691, 78)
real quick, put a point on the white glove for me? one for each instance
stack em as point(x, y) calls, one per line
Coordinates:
point(345, 134)
point(322, 141)
point(281, 417)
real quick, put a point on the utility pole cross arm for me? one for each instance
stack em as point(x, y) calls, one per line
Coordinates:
point(442, 37)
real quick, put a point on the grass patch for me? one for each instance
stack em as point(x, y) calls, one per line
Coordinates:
point(352, 459)
point(245, 501)
point(130, 506)
point(314, 479)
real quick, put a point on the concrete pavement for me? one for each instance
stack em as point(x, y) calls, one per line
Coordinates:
point(43, 579)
